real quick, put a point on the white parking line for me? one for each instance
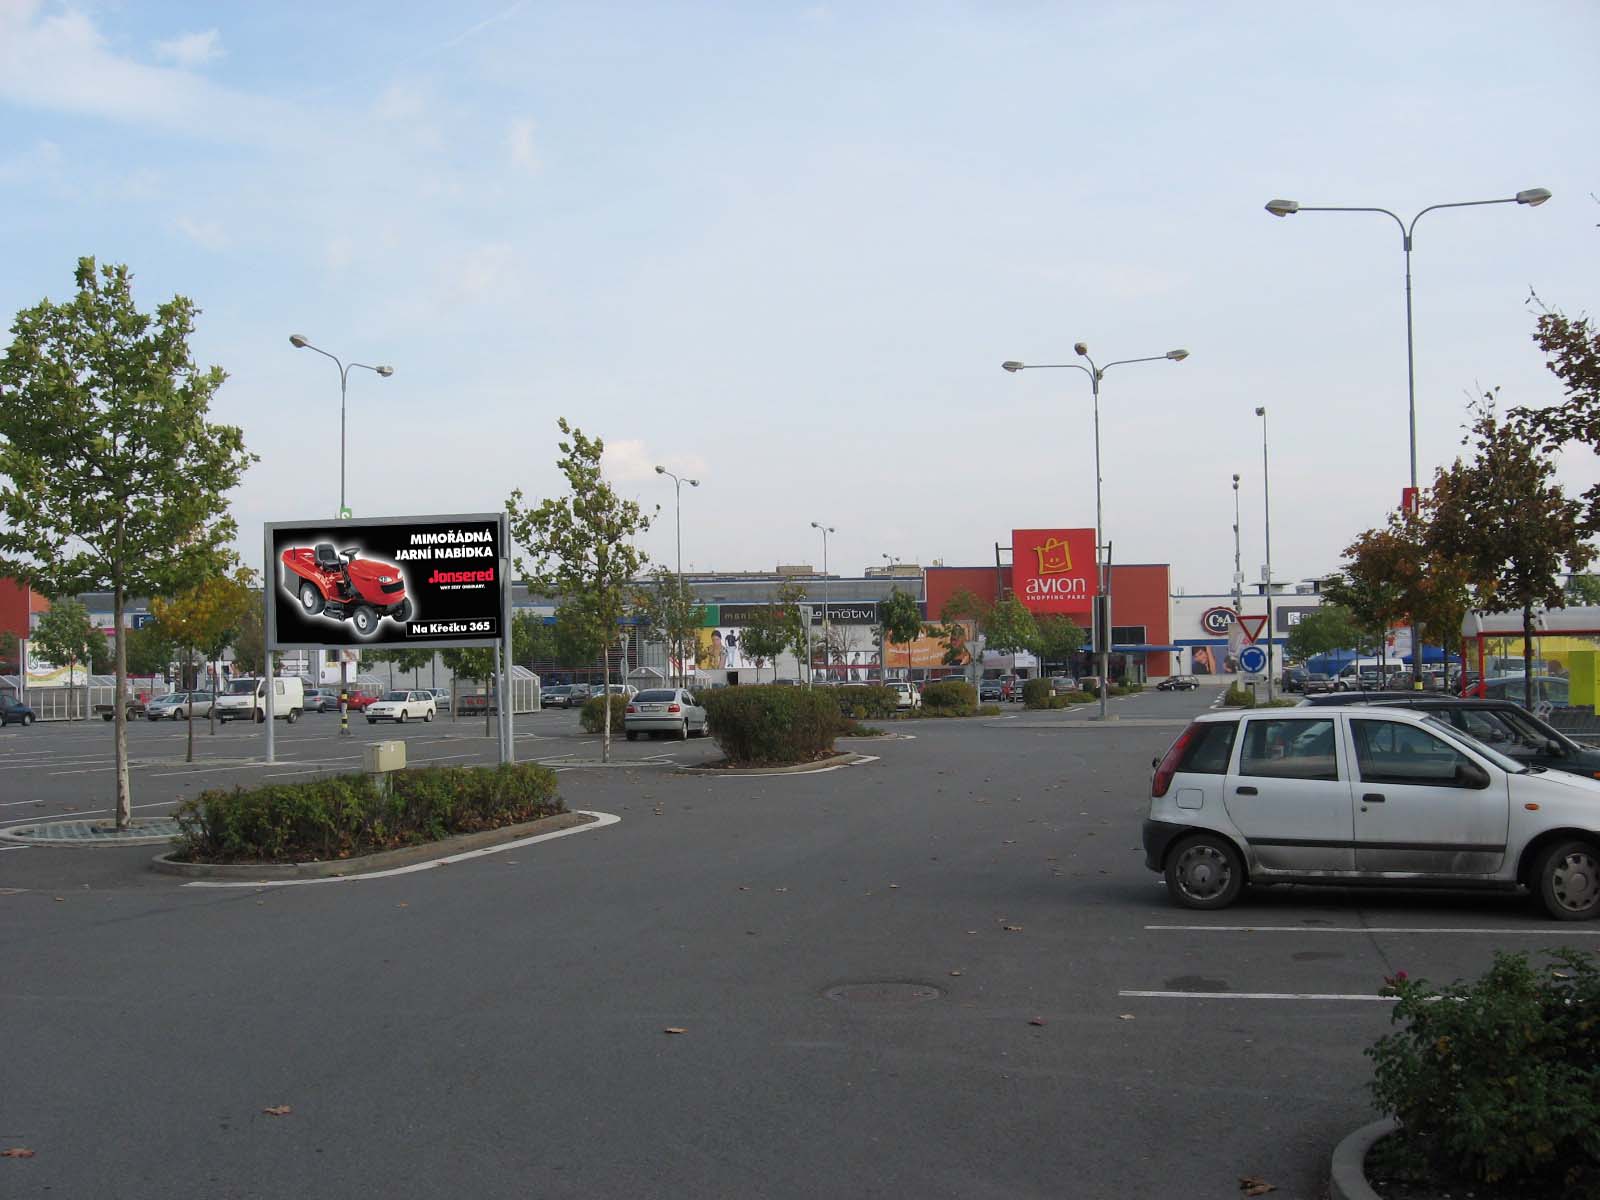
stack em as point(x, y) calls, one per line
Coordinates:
point(1530, 931)
point(70, 815)
point(1256, 996)
point(601, 820)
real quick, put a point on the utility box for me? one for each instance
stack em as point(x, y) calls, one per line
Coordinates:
point(379, 758)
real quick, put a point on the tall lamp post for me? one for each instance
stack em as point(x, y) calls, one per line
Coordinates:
point(826, 628)
point(1266, 493)
point(1238, 569)
point(299, 342)
point(677, 489)
point(1532, 198)
point(1096, 374)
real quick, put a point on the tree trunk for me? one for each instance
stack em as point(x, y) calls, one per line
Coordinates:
point(605, 701)
point(488, 704)
point(1527, 658)
point(119, 710)
point(189, 714)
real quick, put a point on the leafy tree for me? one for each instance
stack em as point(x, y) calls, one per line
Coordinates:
point(1331, 627)
point(1011, 628)
point(412, 661)
point(963, 612)
point(1505, 516)
point(113, 477)
point(901, 618)
point(205, 618)
point(1583, 589)
point(150, 651)
point(10, 653)
point(578, 638)
point(1061, 639)
point(765, 638)
point(797, 630)
point(66, 637)
point(1572, 347)
point(479, 664)
point(672, 616)
point(581, 546)
point(532, 641)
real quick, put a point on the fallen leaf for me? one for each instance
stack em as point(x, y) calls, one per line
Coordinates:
point(59, 899)
point(1124, 1016)
point(1254, 1185)
point(972, 931)
point(403, 904)
point(1036, 1021)
point(16, 1152)
point(1012, 928)
point(674, 1029)
point(278, 1110)
point(894, 885)
point(955, 972)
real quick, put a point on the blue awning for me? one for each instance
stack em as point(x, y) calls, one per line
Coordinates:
point(1146, 649)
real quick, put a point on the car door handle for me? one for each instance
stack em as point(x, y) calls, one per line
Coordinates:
point(1246, 790)
point(1373, 798)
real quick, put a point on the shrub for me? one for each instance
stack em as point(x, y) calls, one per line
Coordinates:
point(950, 698)
point(866, 700)
point(1127, 689)
point(988, 710)
point(1036, 694)
point(1069, 698)
point(346, 815)
point(773, 726)
point(1498, 1082)
point(1239, 696)
point(591, 717)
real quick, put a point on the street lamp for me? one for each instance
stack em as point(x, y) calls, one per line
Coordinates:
point(1531, 198)
point(1096, 374)
point(1266, 493)
point(677, 489)
point(826, 627)
point(299, 342)
point(1238, 569)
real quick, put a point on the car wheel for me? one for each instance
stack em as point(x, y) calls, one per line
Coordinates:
point(310, 599)
point(365, 620)
point(632, 735)
point(683, 730)
point(261, 716)
point(27, 719)
point(401, 719)
point(1568, 880)
point(427, 716)
point(372, 720)
point(177, 714)
point(1205, 871)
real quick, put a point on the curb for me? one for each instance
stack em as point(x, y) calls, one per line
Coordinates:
point(384, 859)
point(1347, 1174)
point(825, 764)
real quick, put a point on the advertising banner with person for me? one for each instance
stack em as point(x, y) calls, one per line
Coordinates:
point(403, 581)
point(1053, 570)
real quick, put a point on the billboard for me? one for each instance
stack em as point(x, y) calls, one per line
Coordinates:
point(398, 581)
point(1053, 570)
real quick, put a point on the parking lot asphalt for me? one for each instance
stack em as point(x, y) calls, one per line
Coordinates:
point(945, 971)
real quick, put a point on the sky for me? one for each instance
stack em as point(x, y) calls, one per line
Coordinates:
point(784, 250)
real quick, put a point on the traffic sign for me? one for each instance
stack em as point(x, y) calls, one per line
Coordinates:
point(1252, 659)
point(1252, 627)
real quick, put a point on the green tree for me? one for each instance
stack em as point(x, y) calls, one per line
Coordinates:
point(765, 638)
point(205, 618)
point(581, 547)
point(1061, 639)
point(150, 651)
point(532, 641)
point(479, 664)
point(578, 638)
point(789, 602)
point(113, 476)
point(1583, 590)
point(67, 638)
point(1329, 628)
point(1011, 628)
point(901, 618)
point(1504, 515)
point(672, 616)
point(10, 653)
point(1572, 349)
point(962, 622)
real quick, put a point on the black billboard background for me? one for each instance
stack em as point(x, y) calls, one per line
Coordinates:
point(422, 549)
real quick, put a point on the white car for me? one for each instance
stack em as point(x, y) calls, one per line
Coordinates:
point(401, 707)
point(177, 706)
point(664, 710)
point(1365, 795)
point(906, 696)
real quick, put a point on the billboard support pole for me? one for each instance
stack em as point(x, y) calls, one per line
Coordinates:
point(508, 728)
point(269, 627)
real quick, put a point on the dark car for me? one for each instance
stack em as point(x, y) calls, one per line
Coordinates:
point(1501, 724)
point(559, 696)
point(1178, 683)
point(992, 689)
point(1547, 689)
point(1317, 683)
point(1294, 679)
point(14, 712)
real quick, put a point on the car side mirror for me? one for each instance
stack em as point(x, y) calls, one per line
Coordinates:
point(1471, 775)
point(1155, 763)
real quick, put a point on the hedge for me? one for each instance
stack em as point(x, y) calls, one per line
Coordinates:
point(950, 697)
point(1036, 693)
point(866, 700)
point(591, 717)
point(773, 726)
point(346, 815)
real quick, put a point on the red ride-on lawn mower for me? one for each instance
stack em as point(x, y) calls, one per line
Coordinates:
point(338, 585)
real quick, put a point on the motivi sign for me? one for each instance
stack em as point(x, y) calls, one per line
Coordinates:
point(1053, 570)
point(405, 581)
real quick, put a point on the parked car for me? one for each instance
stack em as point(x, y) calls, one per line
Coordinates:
point(441, 698)
point(664, 710)
point(906, 696)
point(1502, 724)
point(322, 700)
point(360, 701)
point(474, 704)
point(1293, 679)
point(992, 689)
point(1317, 683)
point(246, 700)
point(176, 706)
point(1178, 683)
point(402, 706)
point(559, 696)
point(14, 712)
point(1365, 794)
point(1547, 689)
point(1060, 685)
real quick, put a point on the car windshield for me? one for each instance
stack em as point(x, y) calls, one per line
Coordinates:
point(395, 695)
point(1441, 725)
point(657, 694)
point(242, 687)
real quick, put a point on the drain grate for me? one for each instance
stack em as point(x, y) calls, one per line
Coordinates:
point(893, 991)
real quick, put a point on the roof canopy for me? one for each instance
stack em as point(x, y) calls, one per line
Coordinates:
point(1578, 619)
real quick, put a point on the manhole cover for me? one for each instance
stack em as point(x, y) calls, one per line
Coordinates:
point(889, 992)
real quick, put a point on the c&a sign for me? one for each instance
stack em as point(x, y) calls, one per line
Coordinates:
point(1053, 570)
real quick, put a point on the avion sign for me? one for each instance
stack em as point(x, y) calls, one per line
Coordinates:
point(1053, 570)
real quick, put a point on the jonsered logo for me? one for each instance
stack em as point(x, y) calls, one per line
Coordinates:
point(486, 576)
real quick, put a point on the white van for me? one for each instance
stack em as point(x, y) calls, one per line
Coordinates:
point(1363, 675)
point(246, 700)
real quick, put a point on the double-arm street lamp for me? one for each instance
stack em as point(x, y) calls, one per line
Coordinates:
point(1096, 374)
point(826, 628)
point(677, 488)
point(299, 342)
point(1266, 496)
point(1532, 198)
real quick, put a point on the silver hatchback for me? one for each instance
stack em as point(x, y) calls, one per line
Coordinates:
point(664, 710)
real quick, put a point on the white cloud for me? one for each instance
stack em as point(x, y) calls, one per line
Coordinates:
point(524, 155)
point(629, 460)
point(39, 164)
point(191, 50)
point(208, 234)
